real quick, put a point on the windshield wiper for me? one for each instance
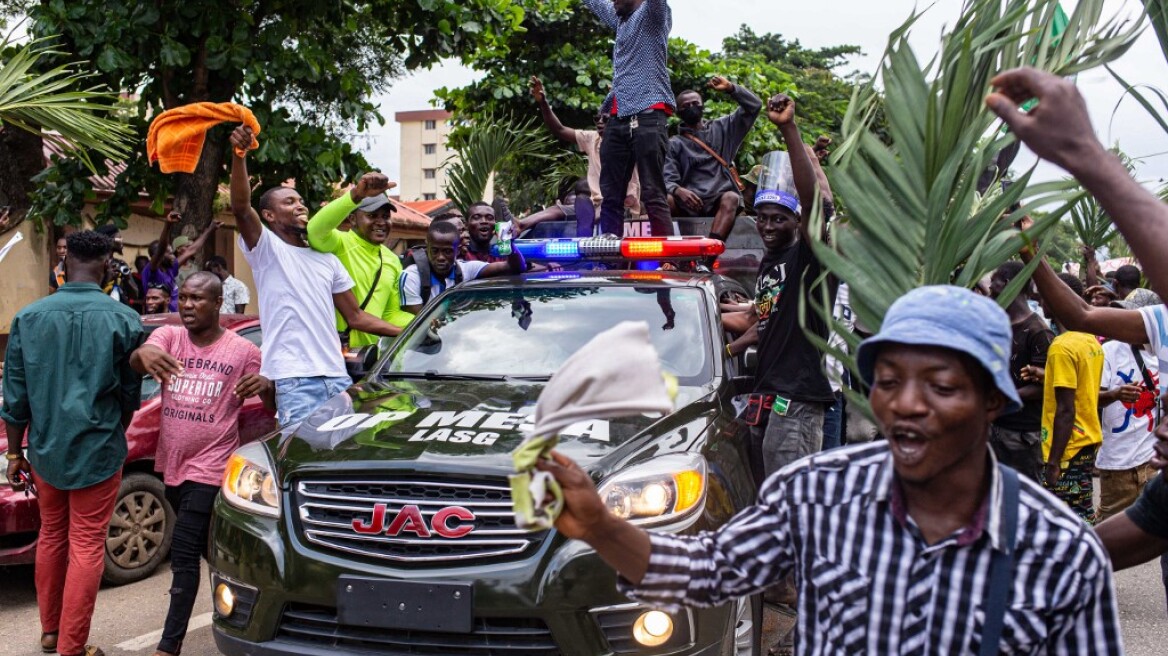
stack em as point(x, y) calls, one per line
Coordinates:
point(434, 375)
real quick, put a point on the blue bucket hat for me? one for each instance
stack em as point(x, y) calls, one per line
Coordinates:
point(777, 197)
point(953, 318)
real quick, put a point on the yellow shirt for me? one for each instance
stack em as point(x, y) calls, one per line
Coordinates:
point(1075, 360)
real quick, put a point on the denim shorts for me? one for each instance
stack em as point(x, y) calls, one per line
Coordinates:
point(297, 398)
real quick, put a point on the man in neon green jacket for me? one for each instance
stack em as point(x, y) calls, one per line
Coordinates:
point(362, 251)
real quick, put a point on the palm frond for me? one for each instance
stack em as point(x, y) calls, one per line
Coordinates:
point(57, 102)
point(915, 216)
point(488, 146)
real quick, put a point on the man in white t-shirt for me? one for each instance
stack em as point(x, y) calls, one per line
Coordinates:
point(1129, 416)
point(298, 289)
point(445, 270)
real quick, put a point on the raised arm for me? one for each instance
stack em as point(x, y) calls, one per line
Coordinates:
point(1059, 129)
point(246, 218)
point(164, 239)
point(781, 112)
point(515, 264)
point(743, 118)
point(1073, 313)
point(193, 248)
point(604, 11)
point(565, 134)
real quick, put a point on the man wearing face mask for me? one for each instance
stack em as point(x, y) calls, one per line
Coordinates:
point(700, 177)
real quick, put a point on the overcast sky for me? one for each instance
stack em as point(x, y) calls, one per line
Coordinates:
point(864, 23)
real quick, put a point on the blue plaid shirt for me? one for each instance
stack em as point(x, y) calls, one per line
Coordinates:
point(640, 76)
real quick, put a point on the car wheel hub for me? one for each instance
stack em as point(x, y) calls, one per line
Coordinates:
point(136, 530)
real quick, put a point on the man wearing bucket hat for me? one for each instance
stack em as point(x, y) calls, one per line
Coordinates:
point(918, 542)
point(362, 251)
point(791, 389)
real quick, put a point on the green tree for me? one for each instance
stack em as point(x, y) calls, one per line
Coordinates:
point(571, 52)
point(306, 69)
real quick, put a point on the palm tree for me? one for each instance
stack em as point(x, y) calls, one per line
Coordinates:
point(914, 213)
point(489, 145)
point(53, 103)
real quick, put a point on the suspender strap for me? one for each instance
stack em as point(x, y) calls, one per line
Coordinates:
point(1001, 567)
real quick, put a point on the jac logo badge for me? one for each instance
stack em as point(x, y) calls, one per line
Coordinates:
point(410, 520)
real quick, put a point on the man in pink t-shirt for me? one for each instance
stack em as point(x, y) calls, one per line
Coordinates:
point(206, 373)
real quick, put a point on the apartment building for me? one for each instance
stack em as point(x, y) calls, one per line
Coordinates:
point(423, 152)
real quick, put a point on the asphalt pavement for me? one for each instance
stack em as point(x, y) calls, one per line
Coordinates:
point(128, 619)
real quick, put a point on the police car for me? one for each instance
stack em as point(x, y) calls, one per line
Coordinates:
point(383, 522)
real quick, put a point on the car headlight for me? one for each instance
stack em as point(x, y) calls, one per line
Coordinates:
point(661, 490)
point(250, 483)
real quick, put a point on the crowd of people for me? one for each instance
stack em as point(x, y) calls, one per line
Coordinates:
point(970, 527)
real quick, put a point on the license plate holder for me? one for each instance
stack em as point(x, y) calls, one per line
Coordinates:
point(408, 605)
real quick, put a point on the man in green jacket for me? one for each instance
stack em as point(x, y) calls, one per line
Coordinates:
point(362, 251)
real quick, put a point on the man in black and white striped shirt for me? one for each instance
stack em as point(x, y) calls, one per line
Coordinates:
point(896, 546)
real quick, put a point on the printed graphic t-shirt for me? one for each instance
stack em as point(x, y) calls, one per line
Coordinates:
point(788, 364)
point(1127, 427)
point(200, 412)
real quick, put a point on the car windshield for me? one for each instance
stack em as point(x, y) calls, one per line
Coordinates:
point(530, 332)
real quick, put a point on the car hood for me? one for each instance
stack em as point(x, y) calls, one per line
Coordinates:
point(466, 426)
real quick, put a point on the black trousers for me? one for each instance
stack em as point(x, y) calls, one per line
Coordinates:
point(192, 503)
point(639, 141)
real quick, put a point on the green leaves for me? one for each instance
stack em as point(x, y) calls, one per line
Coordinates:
point(493, 143)
point(914, 214)
point(57, 102)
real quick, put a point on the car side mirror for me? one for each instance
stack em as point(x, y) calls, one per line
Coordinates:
point(359, 362)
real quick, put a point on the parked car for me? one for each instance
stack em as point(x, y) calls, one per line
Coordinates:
point(140, 530)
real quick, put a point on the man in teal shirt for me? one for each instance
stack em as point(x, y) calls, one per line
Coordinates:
point(67, 379)
point(363, 253)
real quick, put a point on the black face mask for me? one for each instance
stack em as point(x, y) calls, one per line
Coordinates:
point(691, 115)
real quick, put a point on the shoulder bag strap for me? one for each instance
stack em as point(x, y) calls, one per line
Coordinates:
point(376, 277)
point(1149, 384)
point(713, 153)
point(1001, 567)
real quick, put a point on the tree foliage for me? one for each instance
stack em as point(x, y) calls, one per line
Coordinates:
point(306, 69)
point(565, 46)
point(485, 151)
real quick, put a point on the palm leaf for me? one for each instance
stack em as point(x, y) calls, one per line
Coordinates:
point(56, 102)
point(491, 144)
point(915, 216)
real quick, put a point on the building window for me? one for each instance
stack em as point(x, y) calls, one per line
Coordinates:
point(430, 125)
point(429, 149)
point(428, 173)
point(429, 196)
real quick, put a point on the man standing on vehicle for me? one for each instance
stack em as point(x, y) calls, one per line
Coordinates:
point(206, 373)
point(791, 388)
point(441, 269)
point(298, 289)
point(587, 206)
point(917, 543)
point(362, 251)
point(700, 177)
point(67, 379)
point(638, 107)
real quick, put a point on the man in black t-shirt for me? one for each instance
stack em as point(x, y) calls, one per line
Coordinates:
point(790, 383)
point(1017, 437)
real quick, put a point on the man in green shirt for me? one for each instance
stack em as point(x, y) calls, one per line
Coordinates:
point(362, 251)
point(67, 379)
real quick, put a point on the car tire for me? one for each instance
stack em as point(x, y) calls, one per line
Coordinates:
point(139, 534)
point(744, 631)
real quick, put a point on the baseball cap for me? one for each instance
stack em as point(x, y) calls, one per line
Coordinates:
point(949, 317)
point(374, 203)
point(777, 197)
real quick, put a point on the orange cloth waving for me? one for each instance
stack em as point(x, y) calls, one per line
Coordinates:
point(176, 136)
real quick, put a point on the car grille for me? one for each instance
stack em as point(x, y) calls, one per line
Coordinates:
point(318, 626)
point(327, 510)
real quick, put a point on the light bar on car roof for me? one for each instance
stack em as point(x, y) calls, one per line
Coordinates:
point(629, 248)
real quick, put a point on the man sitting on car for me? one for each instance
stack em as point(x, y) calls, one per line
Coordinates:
point(206, 373)
point(444, 270)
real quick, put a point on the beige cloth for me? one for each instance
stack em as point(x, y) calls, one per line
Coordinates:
point(588, 141)
point(616, 374)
